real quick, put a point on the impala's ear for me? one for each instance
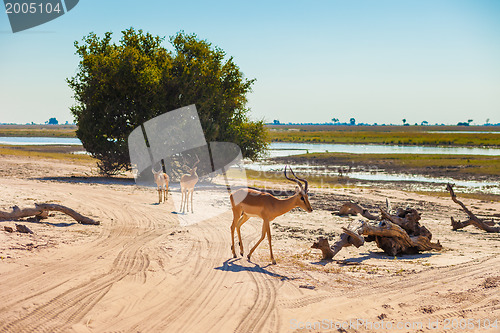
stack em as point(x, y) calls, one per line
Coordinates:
point(297, 189)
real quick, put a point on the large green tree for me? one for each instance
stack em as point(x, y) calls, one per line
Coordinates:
point(118, 86)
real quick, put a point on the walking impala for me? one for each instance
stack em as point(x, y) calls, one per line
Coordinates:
point(248, 203)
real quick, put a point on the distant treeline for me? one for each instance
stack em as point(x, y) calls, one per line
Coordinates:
point(374, 124)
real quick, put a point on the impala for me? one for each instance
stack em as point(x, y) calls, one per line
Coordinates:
point(248, 203)
point(188, 181)
point(161, 180)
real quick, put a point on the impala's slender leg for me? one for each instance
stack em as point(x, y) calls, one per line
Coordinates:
point(236, 218)
point(159, 195)
point(192, 191)
point(264, 231)
point(182, 200)
point(184, 208)
point(243, 219)
point(270, 246)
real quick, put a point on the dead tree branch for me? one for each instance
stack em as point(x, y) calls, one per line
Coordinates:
point(473, 219)
point(41, 211)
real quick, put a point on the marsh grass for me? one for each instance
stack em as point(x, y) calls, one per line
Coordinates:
point(487, 197)
point(60, 131)
point(48, 152)
point(476, 165)
point(317, 181)
point(388, 135)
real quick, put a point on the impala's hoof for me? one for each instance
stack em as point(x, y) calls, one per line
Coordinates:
point(234, 256)
point(274, 262)
point(248, 257)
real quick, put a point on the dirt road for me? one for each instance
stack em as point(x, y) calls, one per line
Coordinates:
point(141, 270)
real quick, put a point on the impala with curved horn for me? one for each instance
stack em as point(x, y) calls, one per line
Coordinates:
point(188, 181)
point(248, 203)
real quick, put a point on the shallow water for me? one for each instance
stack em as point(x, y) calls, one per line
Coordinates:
point(279, 149)
point(38, 141)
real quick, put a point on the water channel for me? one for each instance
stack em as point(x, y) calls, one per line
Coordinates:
point(289, 148)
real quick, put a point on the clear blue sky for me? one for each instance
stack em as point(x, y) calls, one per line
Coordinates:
point(376, 61)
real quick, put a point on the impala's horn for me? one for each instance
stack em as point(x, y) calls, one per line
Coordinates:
point(297, 180)
point(306, 184)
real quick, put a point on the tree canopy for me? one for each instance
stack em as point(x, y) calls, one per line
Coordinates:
point(118, 86)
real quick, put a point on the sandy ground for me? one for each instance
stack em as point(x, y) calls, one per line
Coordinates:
point(147, 268)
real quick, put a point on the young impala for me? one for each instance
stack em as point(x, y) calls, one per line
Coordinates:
point(248, 203)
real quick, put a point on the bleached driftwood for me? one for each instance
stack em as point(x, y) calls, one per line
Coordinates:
point(390, 237)
point(473, 219)
point(41, 211)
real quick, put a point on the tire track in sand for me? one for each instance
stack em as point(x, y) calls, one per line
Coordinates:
point(71, 305)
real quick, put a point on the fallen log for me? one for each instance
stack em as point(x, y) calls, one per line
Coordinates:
point(473, 219)
point(41, 211)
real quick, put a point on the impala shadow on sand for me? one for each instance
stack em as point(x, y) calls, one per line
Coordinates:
point(231, 265)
